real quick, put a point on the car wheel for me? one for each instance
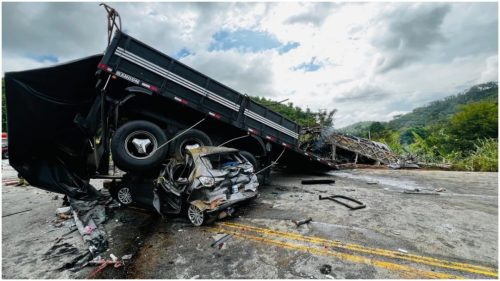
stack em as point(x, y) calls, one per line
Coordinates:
point(191, 138)
point(122, 194)
point(134, 146)
point(195, 215)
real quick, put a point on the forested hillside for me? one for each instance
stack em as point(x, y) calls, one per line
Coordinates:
point(461, 129)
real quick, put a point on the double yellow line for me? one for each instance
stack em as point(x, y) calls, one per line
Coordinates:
point(327, 246)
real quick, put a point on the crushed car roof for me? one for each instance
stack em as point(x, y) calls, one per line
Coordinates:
point(207, 150)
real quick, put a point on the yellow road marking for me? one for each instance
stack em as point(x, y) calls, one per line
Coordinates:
point(406, 270)
point(376, 251)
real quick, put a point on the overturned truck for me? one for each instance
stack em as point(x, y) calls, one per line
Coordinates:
point(140, 108)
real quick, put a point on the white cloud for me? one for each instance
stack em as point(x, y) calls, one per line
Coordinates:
point(377, 59)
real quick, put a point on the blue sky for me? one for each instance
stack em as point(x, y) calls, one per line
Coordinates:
point(370, 61)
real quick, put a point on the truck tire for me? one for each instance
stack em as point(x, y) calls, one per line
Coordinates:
point(262, 178)
point(249, 156)
point(191, 137)
point(134, 146)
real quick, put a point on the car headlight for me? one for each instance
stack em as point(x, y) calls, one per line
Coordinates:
point(207, 181)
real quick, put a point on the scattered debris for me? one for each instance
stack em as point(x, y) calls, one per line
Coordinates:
point(195, 277)
point(325, 269)
point(396, 232)
point(127, 257)
point(219, 242)
point(403, 251)
point(11, 214)
point(371, 182)
point(103, 264)
point(334, 198)
point(22, 182)
point(11, 182)
point(329, 276)
point(63, 210)
point(419, 192)
point(56, 197)
point(318, 181)
point(301, 222)
point(440, 189)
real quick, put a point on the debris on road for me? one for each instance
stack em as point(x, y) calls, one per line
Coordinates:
point(103, 264)
point(440, 189)
point(334, 198)
point(325, 269)
point(9, 182)
point(372, 182)
point(403, 251)
point(220, 240)
point(63, 210)
point(127, 257)
point(318, 181)
point(417, 191)
point(301, 222)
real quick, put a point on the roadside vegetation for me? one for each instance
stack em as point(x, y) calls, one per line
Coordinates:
point(461, 130)
point(305, 118)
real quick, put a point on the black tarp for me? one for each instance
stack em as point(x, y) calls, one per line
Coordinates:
point(46, 146)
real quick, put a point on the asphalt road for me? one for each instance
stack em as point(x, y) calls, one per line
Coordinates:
point(450, 235)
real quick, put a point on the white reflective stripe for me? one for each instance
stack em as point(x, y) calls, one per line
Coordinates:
point(198, 89)
point(179, 80)
point(271, 124)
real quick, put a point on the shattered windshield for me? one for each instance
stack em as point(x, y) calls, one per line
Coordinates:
point(221, 161)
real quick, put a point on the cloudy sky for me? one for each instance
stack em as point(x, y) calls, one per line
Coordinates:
point(368, 60)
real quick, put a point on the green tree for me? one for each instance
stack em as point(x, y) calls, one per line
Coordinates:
point(474, 121)
point(304, 118)
point(377, 130)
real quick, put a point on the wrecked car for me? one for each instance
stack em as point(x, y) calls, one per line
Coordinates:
point(207, 185)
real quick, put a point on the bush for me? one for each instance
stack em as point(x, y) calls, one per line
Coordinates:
point(484, 158)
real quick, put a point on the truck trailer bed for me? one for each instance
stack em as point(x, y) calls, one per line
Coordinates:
point(136, 62)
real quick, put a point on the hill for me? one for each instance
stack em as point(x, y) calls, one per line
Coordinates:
point(432, 113)
point(442, 109)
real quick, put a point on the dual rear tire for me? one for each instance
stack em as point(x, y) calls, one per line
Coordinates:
point(138, 146)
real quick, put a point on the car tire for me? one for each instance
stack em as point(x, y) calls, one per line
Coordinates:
point(195, 215)
point(122, 194)
point(134, 146)
point(191, 137)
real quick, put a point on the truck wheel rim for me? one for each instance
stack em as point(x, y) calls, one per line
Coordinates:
point(195, 215)
point(134, 150)
point(189, 142)
point(124, 195)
